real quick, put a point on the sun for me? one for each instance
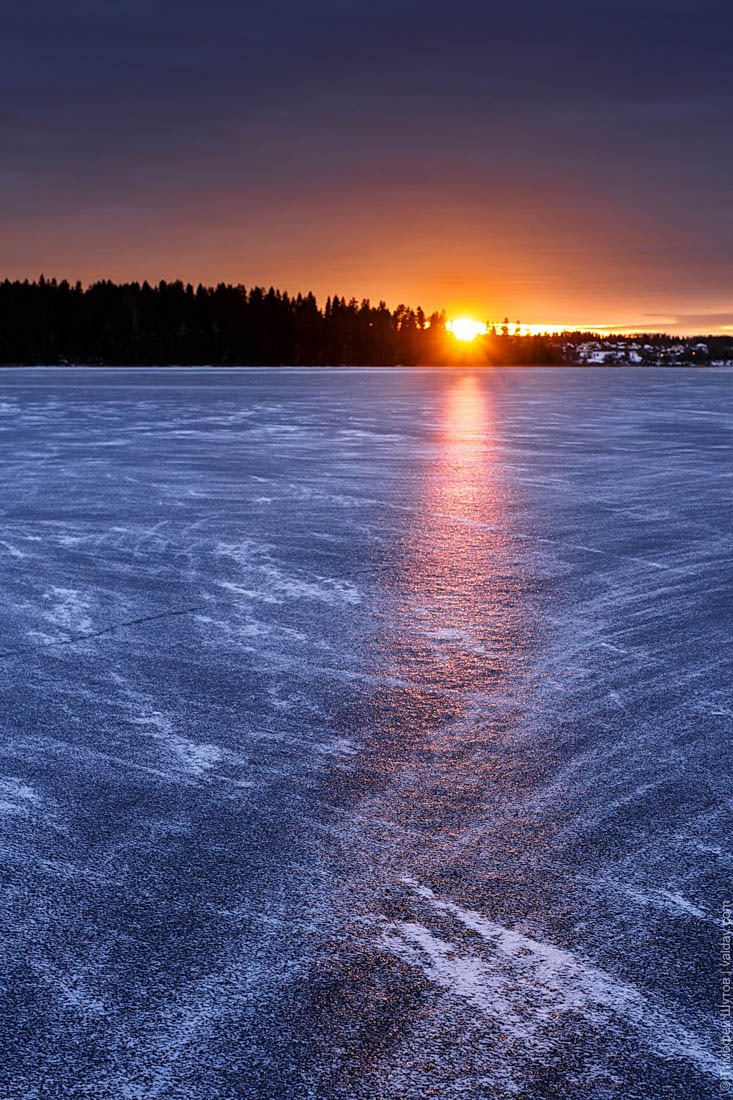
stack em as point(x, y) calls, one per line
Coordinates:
point(465, 329)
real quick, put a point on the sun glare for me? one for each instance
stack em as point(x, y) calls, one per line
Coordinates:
point(465, 329)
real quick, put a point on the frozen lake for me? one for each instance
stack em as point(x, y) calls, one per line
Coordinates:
point(365, 734)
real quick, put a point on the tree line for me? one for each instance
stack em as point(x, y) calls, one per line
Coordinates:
point(55, 322)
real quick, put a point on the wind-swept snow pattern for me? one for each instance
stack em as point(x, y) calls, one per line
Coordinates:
point(365, 734)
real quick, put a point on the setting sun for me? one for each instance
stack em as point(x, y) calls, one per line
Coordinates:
point(465, 329)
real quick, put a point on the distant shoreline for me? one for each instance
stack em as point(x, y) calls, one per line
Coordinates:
point(176, 324)
point(370, 366)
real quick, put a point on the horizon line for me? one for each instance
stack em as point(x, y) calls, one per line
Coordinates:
point(517, 328)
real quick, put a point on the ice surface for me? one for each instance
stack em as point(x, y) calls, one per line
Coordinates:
point(365, 734)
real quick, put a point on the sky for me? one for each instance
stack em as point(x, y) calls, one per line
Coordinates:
point(557, 163)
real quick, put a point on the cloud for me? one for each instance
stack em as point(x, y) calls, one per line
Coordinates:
point(703, 322)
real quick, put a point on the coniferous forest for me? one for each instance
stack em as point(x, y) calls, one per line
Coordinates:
point(171, 323)
point(136, 324)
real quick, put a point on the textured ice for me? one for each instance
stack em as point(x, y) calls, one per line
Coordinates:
point(524, 984)
point(365, 734)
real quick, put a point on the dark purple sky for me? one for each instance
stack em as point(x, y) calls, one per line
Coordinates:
point(556, 162)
